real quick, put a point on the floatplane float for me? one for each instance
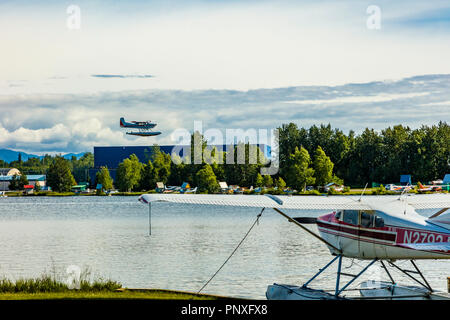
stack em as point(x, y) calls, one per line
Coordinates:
point(373, 229)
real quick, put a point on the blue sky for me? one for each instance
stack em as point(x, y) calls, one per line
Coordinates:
point(230, 64)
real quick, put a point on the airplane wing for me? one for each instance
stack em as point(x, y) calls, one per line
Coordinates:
point(442, 247)
point(262, 201)
point(429, 201)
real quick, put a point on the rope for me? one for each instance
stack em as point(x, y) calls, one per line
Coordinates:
point(248, 232)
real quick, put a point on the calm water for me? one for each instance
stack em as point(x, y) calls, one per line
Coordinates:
point(110, 236)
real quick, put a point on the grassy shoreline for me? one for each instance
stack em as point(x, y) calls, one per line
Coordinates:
point(108, 295)
point(56, 287)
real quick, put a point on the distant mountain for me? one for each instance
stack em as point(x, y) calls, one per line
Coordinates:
point(8, 155)
point(77, 155)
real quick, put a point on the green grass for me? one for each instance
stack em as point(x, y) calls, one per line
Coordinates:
point(39, 193)
point(105, 295)
point(54, 285)
point(47, 283)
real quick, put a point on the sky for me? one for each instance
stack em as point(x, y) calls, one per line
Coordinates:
point(70, 70)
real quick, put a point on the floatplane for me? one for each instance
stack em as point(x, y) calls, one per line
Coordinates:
point(373, 229)
point(144, 128)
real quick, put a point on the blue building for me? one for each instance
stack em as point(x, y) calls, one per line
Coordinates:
point(33, 179)
point(405, 179)
point(111, 156)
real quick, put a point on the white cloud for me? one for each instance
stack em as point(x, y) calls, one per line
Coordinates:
point(77, 122)
point(231, 65)
point(233, 46)
point(360, 99)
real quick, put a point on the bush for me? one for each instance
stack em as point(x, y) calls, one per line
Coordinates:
point(47, 283)
point(310, 192)
point(54, 281)
point(332, 191)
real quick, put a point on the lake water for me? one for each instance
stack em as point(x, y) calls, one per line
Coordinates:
point(188, 243)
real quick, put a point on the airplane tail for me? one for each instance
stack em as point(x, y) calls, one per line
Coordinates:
point(122, 122)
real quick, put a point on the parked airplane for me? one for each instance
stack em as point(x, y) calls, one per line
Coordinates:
point(143, 126)
point(378, 228)
point(422, 188)
point(396, 188)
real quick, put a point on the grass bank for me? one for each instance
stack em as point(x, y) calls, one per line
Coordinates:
point(57, 286)
point(107, 295)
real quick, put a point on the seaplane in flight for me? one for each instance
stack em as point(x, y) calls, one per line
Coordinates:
point(144, 128)
point(374, 229)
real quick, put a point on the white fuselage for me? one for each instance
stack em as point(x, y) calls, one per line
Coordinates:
point(395, 239)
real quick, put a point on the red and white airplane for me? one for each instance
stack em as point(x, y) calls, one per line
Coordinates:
point(422, 188)
point(375, 228)
point(397, 188)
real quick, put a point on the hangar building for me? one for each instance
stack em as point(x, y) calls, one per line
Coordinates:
point(111, 156)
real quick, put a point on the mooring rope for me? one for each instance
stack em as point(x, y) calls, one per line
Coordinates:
point(235, 249)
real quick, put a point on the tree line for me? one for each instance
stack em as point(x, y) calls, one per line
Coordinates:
point(373, 156)
point(62, 174)
point(311, 156)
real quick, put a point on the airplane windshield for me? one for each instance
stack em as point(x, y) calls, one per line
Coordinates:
point(379, 222)
point(351, 217)
point(366, 220)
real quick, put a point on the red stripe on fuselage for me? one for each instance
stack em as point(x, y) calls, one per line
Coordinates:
point(374, 234)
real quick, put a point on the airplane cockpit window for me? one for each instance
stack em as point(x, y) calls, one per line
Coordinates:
point(338, 215)
point(379, 222)
point(366, 220)
point(351, 217)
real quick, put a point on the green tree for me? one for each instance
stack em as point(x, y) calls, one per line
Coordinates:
point(268, 181)
point(365, 160)
point(149, 177)
point(161, 165)
point(59, 176)
point(280, 183)
point(206, 180)
point(104, 178)
point(23, 181)
point(14, 183)
point(323, 168)
point(298, 172)
point(128, 173)
point(259, 182)
point(290, 137)
point(81, 166)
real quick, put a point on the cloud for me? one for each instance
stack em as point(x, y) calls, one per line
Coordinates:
point(122, 76)
point(40, 123)
point(359, 99)
point(218, 44)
